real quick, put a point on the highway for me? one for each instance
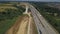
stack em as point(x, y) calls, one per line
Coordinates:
point(42, 25)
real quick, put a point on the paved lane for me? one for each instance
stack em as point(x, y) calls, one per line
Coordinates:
point(39, 26)
point(42, 25)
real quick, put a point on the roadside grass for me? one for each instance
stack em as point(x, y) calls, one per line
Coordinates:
point(34, 28)
point(55, 22)
point(5, 25)
point(26, 28)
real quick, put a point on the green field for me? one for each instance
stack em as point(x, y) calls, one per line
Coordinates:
point(51, 14)
point(8, 15)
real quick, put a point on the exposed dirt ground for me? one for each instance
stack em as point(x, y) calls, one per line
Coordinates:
point(21, 26)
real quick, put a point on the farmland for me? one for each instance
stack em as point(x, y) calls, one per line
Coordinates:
point(9, 13)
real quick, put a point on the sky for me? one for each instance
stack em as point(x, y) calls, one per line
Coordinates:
point(34, 0)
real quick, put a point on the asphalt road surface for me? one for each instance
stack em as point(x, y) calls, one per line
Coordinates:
point(42, 25)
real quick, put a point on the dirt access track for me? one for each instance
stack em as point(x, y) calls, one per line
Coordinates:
point(21, 26)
